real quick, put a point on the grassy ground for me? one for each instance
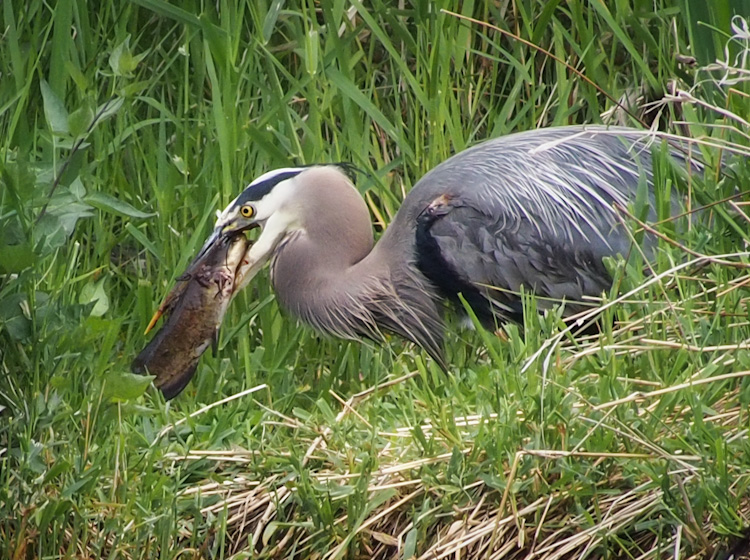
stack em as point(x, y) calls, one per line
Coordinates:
point(122, 129)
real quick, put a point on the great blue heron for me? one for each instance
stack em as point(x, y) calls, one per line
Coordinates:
point(532, 211)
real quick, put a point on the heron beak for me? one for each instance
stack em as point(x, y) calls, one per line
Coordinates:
point(215, 236)
point(219, 234)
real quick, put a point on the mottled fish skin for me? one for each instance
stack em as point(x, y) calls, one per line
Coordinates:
point(195, 309)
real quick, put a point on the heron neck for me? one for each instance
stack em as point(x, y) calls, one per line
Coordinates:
point(356, 292)
point(325, 284)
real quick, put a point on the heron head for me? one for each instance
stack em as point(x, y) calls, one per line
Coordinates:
point(284, 202)
point(281, 196)
point(266, 196)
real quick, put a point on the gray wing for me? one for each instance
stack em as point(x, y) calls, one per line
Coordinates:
point(490, 259)
point(535, 209)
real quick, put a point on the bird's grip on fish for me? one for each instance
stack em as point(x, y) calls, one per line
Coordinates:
point(194, 310)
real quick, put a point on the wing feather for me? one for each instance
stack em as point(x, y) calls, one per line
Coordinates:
point(533, 210)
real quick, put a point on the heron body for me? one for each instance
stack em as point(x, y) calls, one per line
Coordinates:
point(532, 211)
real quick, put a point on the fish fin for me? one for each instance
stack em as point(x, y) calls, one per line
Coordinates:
point(174, 384)
point(154, 319)
point(215, 343)
point(173, 298)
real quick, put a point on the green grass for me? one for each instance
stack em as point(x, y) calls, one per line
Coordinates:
point(124, 128)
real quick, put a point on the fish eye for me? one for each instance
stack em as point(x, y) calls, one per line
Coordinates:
point(247, 211)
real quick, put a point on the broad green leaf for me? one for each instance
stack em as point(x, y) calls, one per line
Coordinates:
point(16, 252)
point(50, 232)
point(94, 292)
point(77, 189)
point(122, 61)
point(125, 386)
point(68, 207)
point(54, 110)
point(69, 215)
point(108, 203)
point(269, 21)
point(410, 543)
point(80, 119)
point(15, 258)
point(77, 75)
point(108, 109)
point(15, 316)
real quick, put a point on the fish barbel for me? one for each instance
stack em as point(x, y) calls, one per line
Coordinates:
point(195, 309)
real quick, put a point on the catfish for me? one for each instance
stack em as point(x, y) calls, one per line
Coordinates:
point(194, 310)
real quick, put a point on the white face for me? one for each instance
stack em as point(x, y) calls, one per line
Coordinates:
point(264, 206)
point(275, 212)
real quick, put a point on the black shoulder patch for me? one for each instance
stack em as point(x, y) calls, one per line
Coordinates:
point(435, 267)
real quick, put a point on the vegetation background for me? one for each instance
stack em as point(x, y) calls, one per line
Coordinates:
point(125, 125)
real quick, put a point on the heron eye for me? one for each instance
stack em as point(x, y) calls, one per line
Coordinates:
point(247, 211)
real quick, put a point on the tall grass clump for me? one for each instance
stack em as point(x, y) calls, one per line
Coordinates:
point(124, 126)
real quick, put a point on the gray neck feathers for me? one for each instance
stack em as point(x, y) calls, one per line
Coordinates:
point(346, 290)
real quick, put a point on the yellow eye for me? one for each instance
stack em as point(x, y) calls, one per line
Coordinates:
point(247, 211)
